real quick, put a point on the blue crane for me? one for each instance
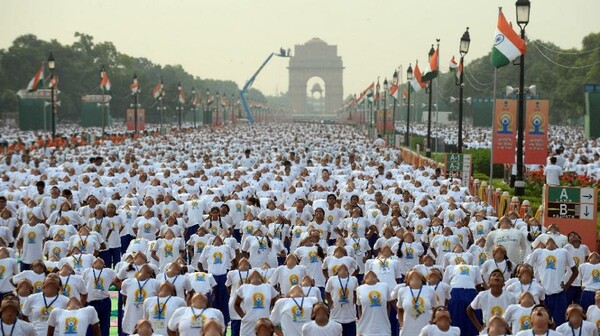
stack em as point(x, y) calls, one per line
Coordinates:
point(249, 83)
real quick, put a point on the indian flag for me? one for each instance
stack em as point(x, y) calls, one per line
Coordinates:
point(417, 82)
point(453, 64)
point(433, 67)
point(459, 71)
point(394, 90)
point(157, 91)
point(368, 93)
point(507, 44)
point(104, 81)
point(37, 79)
point(53, 82)
point(182, 97)
point(134, 86)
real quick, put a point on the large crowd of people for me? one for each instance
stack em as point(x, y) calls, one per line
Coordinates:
point(286, 229)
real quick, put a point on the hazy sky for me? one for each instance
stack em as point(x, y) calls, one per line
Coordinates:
point(229, 39)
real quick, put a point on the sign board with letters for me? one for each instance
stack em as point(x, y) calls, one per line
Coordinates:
point(461, 164)
point(572, 209)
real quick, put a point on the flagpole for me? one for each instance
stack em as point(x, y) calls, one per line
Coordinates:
point(493, 118)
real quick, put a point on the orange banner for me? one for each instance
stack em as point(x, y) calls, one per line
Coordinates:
point(131, 119)
point(536, 131)
point(505, 131)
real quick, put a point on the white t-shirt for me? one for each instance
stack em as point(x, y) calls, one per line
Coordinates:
point(235, 279)
point(98, 282)
point(491, 305)
point(593, 315)
point(374, 302)
point(287, 277)
point(433, 330)
point(590, 276)
point(256, 302)
point(291, 314)
point(202, 282)
point(551, 267)
point(553, 174)
point(21, 328)
point(513, 240)
point(8, 268)
point(342, 295)
point(37, 308)
point(332, 328)
point(73, 286)
point(586, 329)
point(159, 310)
point(136, 292)
point(33, 239)
point(518, 317)
point(462, 276)
point(188, 321)
point(181, 282)
point(72, 322)
point(536, 290)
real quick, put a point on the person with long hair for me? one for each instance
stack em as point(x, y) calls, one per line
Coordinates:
point(526, 283)
point(235, 279)
point(499, 261)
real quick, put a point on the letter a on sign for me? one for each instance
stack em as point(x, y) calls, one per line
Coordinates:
point(564, 197)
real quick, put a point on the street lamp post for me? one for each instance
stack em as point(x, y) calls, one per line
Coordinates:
point(523, 8)
point(206, 107)
point(409, 77)
point(194, 105)
point(465, 41)
point(232, 108)
point(430, 88)
point(52, 66)
point(217, 102)
point(135, 106)
point(385, 93)
point(179, 88)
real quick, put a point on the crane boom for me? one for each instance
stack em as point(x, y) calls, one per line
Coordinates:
point(249, 83)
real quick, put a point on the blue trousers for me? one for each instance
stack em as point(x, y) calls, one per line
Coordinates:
point(125, 240)
point(574, 295)
point(25, 267)
point(349, 329)
point(103, 308)
point(120, 315)
point(221, 299)
point(461, 298)
point(395, 325)
point(235, 327)
point(190, 231)
point(557, 303)
point(587, 299)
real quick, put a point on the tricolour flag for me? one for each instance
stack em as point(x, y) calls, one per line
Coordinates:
point(507, 44)
point(53, 82)
point(370, 92)
point(182, 97)
point(37, 80)
point(158, 90)
point(134, 86)
point(209, 100)
point(104, 81)
point(223, 101)
point(432, 68)
point(453, 64)
point(417, 82)
point(394, 90)
point(459, 71)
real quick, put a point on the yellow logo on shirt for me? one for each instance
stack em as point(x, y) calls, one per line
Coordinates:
point(66, 291)
point(56, 252)
point(139, 296)
point(294, 279)
point(410, 253)
point(37, 286)
point(446, 245)
point(419, 304)
point(200, 277)
point(100, 284)
point(218, 257)
point(258, 301)
point(596, 276)
point(71, 325)
point(168, 250)
point(312, 257)
point(2, 271)
point(200, 247)
point(464, 270)
point(375, 298)
point(551, 262)
point(297, 314)
point(31, 236)
point(496, 311)
point(525, 322)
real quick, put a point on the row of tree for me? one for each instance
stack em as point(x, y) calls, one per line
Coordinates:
point(78, 69)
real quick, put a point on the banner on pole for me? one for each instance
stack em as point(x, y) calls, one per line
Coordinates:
point(504, 131)
point(131, 119)
point(536, 131)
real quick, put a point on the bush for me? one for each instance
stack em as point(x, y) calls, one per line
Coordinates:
point(481, 162)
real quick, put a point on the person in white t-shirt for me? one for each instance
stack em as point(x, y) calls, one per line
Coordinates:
point(518, 315)
point(11, 324)
point(135, 291)
point(160, 308)
point(253, 301)
point(321, 324)
point(190, 320)
point(497, 326)
point(144, 328)
point(541, 323)
point(576, 324)
point(340, 290)
point(553, 172)
point(37, 307)
point(74, 320)
point(492, 302)
point(30, 240)
point(440, 324)
point(290, 314)
point(98, 280)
